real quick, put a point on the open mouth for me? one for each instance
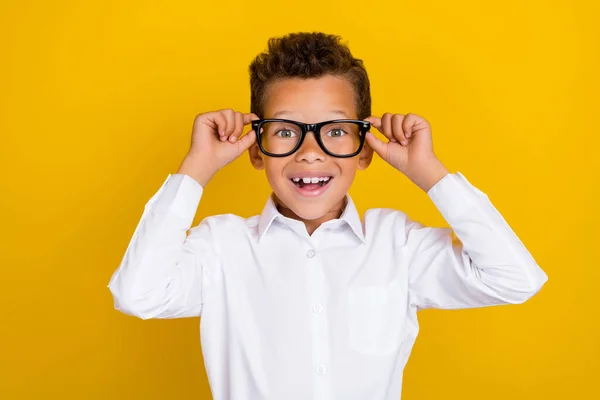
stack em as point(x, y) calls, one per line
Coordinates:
point(311, 183)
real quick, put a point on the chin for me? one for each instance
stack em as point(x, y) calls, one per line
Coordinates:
point(310, 212)
point(308, 209)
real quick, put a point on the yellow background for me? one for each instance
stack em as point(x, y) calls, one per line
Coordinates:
point(96, 106)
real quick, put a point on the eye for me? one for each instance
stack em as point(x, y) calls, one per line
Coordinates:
point(336, 132)
point(285, 133)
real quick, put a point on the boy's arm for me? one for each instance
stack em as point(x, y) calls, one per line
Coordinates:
point(161, 273)
point(488, 264)
point(491, 265)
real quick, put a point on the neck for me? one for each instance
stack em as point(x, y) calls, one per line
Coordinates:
point(312, 224)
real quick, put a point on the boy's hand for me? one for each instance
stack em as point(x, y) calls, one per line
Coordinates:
point(215, 143)
point(410, 147)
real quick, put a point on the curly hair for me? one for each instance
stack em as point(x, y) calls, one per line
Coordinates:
point(308, 55)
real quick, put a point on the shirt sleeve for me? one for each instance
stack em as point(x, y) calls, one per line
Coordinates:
point(161, 274)
point(477, 262)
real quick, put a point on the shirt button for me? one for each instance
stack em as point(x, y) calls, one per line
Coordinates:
point(310, 254)
point(317, 308)
point(321, 370)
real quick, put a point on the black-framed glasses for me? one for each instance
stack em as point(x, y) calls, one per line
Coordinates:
point(341, 138)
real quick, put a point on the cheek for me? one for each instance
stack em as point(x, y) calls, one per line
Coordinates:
point(348, 168)
point(274, 170)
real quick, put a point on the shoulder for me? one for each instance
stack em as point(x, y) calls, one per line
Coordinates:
point(397, 224)
point(228, 225)
point(378, 217)
point(386, 223)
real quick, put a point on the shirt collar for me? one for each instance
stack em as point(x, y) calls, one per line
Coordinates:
point(349, 216)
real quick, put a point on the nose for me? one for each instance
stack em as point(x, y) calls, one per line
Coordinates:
point(310, 151)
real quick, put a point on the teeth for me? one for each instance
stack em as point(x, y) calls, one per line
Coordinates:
point(312, 180)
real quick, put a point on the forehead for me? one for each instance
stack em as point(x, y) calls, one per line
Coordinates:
point(310, 100)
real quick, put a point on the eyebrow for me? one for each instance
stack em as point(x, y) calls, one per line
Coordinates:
point(282, 112)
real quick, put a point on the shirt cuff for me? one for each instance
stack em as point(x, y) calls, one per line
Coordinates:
point(180, 195)
point(454, 194)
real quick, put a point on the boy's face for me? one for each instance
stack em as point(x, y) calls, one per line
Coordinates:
point(310, 101)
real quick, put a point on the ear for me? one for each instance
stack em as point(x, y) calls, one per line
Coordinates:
point(256, 157)
point(365, 157)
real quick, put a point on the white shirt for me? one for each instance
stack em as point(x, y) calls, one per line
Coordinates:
point(288, 316)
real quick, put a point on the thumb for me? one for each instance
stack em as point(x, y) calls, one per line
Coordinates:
point(246, 141)
point(377, 145)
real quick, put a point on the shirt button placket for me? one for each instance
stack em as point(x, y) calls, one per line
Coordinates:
point(320, 352)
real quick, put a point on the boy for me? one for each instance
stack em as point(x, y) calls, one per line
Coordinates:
point(305, 301)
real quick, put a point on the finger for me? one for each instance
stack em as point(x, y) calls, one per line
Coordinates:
point(377, 145)
point(229, 115)
point(374, 121)
point(377, 123)
point(239, 126)
point(246, 141)
point(249, 118)
point(410, 121)
point(386, 125)
point(221, 123)
point(397, 129)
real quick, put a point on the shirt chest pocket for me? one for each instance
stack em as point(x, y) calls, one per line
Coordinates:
point(377, 317)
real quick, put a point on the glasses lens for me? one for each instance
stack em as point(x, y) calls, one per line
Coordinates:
point(279, 137)
point(341, 138)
